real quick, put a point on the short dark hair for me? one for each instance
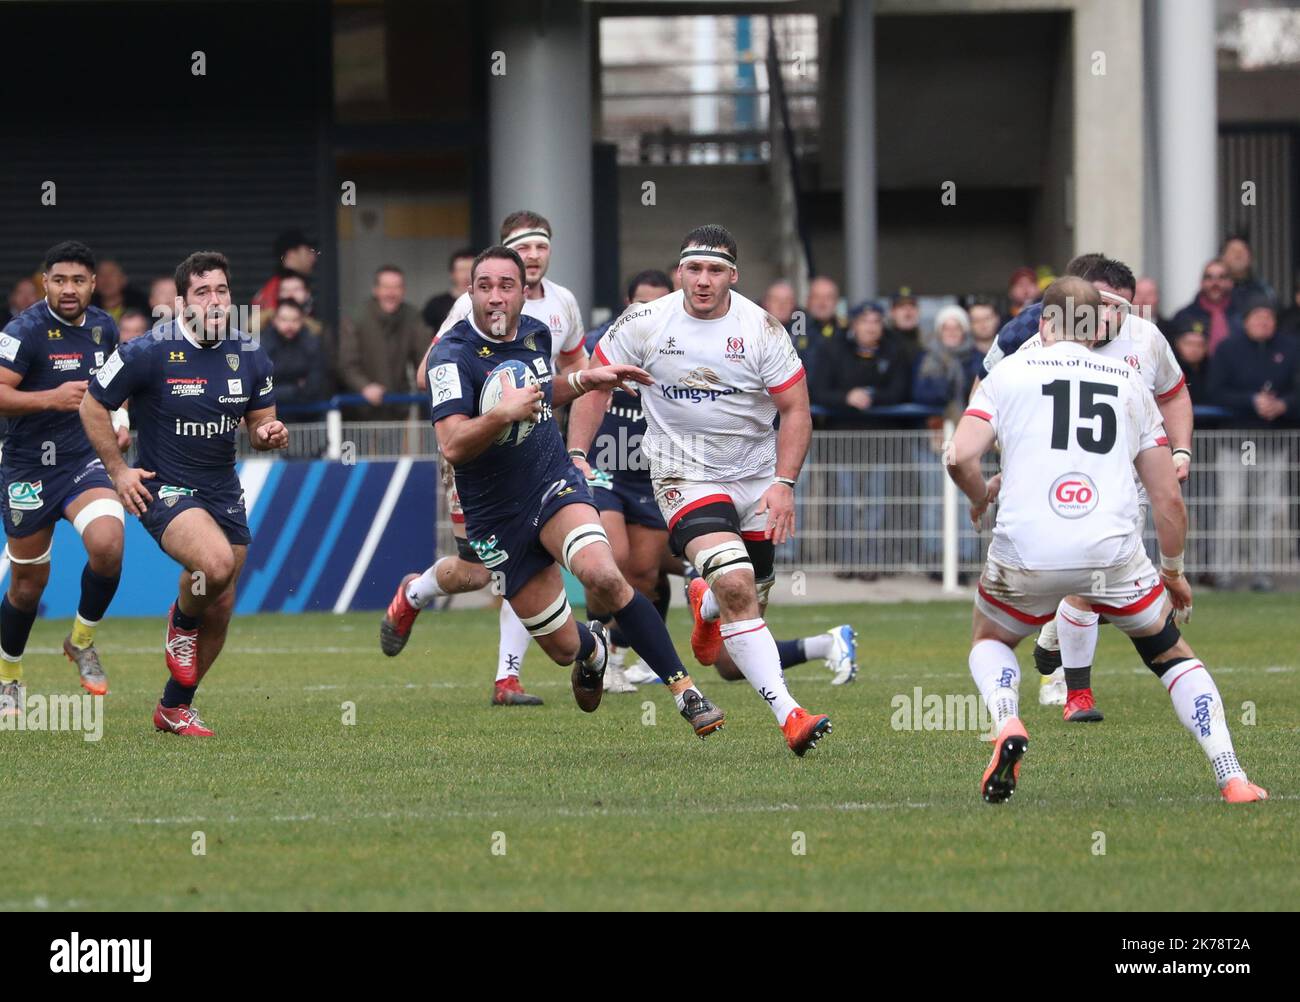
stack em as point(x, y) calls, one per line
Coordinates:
point(200, 263)
point(458, 255)
point(289, 302)
point(1089, 267)
point(651, 276)
point(1118, 275)
point(133, 311)
point(1238, 235)
point(710, 235)
point(523, 219)
point(497, 251)
point(72, 252)
point(388, 267)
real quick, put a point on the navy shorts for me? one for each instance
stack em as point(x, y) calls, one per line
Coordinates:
point(513, 548)
point(35, 498)
point(633, 499)
point(225, 507)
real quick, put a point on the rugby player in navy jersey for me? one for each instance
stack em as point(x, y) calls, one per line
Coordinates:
point(48, 352)
point(527, 508)
point(191, 381)
point(618, 474)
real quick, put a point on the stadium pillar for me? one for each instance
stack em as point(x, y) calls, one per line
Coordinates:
point(539, 127)
point(860, 223)
point(1185, 134)
point(1109, 138)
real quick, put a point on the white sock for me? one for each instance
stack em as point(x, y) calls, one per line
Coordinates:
point(709, 610)
point(424, 589)
point(680, 697)
point(1047, 638)
point(996, 673)
point(1077, 634)
point(1200, 708)
point(819, 646)
point(750, 644)
point(513, 644)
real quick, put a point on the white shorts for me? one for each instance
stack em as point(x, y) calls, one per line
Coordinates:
point(1018, 600)
point(677, 497)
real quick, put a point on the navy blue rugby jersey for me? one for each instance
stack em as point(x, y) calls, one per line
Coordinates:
point(187, 401)
point(504, 479)
point(616, 448)
point(47, 352)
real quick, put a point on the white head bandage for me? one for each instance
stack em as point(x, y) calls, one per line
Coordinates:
point(100, 508)
point(527, 235)
point(708, 255)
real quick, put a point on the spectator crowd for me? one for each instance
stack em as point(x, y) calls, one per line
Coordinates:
point(1238, 346)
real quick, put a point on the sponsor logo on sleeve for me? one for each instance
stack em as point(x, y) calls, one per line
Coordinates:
point(266, 387)
point(9, 347)
point(110, 369)
point(444, 383)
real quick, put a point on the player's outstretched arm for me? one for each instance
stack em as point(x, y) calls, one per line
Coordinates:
point(127, 480)
point(265, 431)
point(602, 377)
point(461, 438)
point(584, 420)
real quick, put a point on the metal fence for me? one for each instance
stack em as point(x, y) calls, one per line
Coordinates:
point(873, 502)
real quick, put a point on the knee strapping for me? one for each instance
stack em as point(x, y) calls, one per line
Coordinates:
point(582, 536)
point(1150, 648)
point(44, 558)
point(764, 587)
point(722, 559)
point(549, 619)
point(101, 508)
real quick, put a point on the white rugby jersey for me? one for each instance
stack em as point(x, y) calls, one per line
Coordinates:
point(709, 413)
point(557, 308)
point(1069, 423)
point(1145, 350)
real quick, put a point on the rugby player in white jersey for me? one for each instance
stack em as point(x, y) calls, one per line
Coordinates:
point(1067, 642)
point(528, 234)
point(1072, 424)
point(724, 478)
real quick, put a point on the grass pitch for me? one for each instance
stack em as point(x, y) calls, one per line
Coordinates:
point(433, 799)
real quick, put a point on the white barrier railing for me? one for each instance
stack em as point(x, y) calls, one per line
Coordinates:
point(879, 502)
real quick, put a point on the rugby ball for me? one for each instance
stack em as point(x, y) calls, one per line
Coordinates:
point(522, 375)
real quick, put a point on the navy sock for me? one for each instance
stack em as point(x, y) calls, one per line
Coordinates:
point(617, 637)
point(586, 642)
point(97, 592)
point(648, 636)
point(182, 621)
point(15, 628)
point(791, 652)
point(175, 694)
point(663, 598)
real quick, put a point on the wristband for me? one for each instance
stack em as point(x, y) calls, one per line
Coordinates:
point(785, 480)
point(1185, 452)
point(1174, 565)
point(577, 453)
point(575, 383)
